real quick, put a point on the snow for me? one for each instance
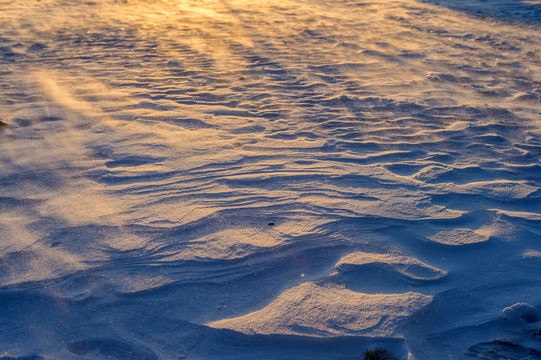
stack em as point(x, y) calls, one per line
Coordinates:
point(293, 179)
point(521, 311)
point(408, 267)
point(309, 309)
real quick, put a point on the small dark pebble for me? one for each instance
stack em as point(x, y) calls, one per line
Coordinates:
point(271, 224)
point(2, 124)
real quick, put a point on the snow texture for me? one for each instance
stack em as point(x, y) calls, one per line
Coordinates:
point(281, 179)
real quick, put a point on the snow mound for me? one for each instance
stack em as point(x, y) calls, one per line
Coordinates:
point(521, 311)
point(327, 311)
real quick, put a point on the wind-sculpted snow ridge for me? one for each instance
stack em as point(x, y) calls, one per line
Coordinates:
point(404, 267)
point(234, 179)
point(309, 309)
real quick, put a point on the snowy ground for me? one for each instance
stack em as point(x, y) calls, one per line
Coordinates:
point(293, 179)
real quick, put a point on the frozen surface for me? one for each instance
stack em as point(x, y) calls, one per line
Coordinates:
point(293, 179)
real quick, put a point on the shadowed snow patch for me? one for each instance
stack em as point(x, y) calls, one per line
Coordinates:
point(501, 349)
point(109, 349)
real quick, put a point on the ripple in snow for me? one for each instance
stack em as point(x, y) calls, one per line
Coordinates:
point(408, 267)
point(458, 237)
point(227, 244)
